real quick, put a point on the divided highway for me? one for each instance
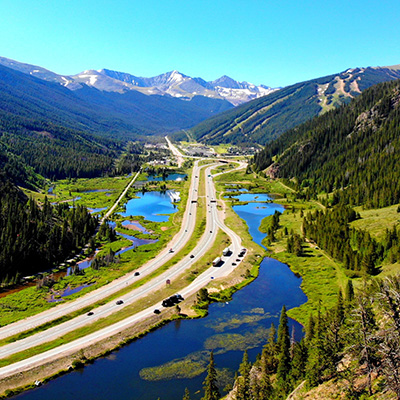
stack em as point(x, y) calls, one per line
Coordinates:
point(177, 243)
point(214, 221)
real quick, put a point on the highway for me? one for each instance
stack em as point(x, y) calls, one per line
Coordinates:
point(177, 243)
point(214, 221)
point(175, 152)
point(206, 241)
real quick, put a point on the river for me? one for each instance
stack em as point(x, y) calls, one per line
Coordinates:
point(184, 345)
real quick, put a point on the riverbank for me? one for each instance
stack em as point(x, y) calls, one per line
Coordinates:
point(20, 382)
point(241, 277)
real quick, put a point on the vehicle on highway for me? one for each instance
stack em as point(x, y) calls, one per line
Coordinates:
point(171, 250)
point(238, 259)
point(234, 264)
point(216, 262)
point(156, 311)
point(137, 273)
point(119, 302)
point(226, 251)
point(242, 252)
point(192, 256)
point(171, 301)
point(90, 313)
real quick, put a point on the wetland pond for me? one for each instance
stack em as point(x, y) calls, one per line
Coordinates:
point(164, 362)
point(153, 206)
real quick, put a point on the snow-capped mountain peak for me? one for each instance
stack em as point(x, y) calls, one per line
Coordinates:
point(173, 83)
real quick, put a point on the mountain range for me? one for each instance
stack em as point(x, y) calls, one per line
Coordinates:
point(126, 115)
point(353, 151)
point(264, 119)
point(173, 83)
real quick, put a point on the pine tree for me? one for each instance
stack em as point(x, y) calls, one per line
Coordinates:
point(243, 389)
point(364, 343)
point(269, 354)
point(211, 391)
point(283, 343)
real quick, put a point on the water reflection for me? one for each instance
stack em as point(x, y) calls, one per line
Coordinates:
point(228, 329)
point(150, 205)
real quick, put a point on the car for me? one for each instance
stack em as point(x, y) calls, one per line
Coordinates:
point(119, 302)
point(171, 250)
point(212, 277)
point(137, 273)
point(238, 259)
point(210, 231)
point(156, 311)
point(192, 256)
point(90, 313)
point(234, 264)
point(190, 213)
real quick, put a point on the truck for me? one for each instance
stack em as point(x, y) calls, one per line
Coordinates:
point(226, 251)
point(216, 262)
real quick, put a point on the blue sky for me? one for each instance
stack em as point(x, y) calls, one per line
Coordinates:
point(276, 43)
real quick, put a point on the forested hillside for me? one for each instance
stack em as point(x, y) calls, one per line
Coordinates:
point(349, 346)
point(266, 118)
point(353, 151)
point(126, 116)
point(35, 238)
point(54, 152)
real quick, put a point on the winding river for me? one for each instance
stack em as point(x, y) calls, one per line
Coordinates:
point(147, 369)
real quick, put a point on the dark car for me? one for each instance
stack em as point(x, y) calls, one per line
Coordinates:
point(137, 273)
point(234, 264)
point(119, 302)
point(171, 301)
point(90, 313)
point(191, 256)
point(238, 259)
point(157, 311)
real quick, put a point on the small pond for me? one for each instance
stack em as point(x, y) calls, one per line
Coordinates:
point(96, 210)
point(135, 243)
point(170, 177)
point(254, 213)
point(135, 225)
point(150, 205)
point(252, 197)
point(96, 191)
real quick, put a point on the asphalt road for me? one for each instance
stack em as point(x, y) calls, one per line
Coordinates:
point(214, 221)
point(177, 243)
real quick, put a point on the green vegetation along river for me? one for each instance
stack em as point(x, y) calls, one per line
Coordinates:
point(164, 362)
